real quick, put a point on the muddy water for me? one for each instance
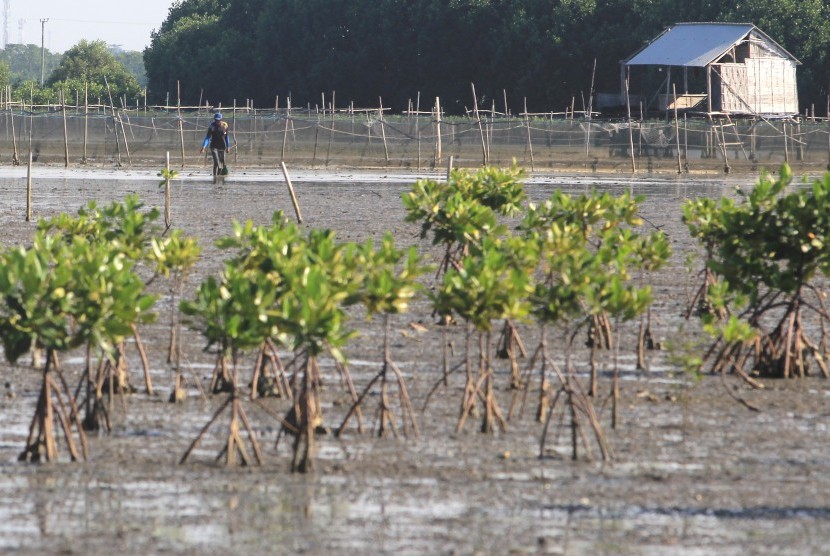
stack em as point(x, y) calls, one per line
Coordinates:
point(694, 472)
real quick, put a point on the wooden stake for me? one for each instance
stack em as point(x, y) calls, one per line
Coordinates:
point(167, 217)
point(15, 155)
point(437, 160)
point(418, 126)
point(630, 131)
point(291, 191)
point(480, 128)
point(383, 129)
point(29, 189)
point(86, 118)
point(65, 133)
point(449, 167)
point(529, 142)
point(179, 117)
point(285, 131)
point(114, 122)
point(676, 130)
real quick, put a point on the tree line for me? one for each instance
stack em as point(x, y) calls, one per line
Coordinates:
point(541, 50)
point(83, 67)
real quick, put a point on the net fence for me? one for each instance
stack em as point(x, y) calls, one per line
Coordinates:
point(264, 138)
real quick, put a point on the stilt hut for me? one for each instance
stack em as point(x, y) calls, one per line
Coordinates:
point(720, 68)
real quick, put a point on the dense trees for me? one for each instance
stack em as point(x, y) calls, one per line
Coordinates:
point(539, 49)
point(93, 64)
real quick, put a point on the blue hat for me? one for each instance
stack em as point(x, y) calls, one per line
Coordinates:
point(217, 116)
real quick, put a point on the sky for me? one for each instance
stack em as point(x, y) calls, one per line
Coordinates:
point(127, 23)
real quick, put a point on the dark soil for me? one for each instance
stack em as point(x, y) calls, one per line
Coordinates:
point(694, 472)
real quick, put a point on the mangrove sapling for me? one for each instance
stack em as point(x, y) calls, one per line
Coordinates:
point(174, 256)
point(767, 251)
point(127, 229)
point(232, 315)
point(61, 295)
point(493, 284)
point(311, 279)
point(387, 289)
point(591, 244)
point(460, 212)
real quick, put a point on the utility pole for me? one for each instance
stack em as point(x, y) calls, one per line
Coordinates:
point(43, 49)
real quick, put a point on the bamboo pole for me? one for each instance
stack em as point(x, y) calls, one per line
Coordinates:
point(167, 215)
point(29, 189)
point(383, 129)
point(630, 131)
point(529, 142)
point(418, 126)
point(437, 159)
point(114, 122)
point(676, 129)
point(291, 192)
point(233, 132)
point(179, 117)
point(331, 130)
point(15, 155)
point(65, 132)
point(86, 119)
point(285, 131)
point(480, 129)
point(685, 144)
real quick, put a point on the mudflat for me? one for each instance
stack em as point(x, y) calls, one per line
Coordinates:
point(693, 472)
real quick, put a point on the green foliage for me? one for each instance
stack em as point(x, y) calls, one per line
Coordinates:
point(299, 287)
point(64, 292)
point(772, 240)
point(174, 254)
point(766, 251)
point(540, 50)
point(465, 209)
point(388, 285)
point(589, 248)
point(492, 284)
point(92, 62)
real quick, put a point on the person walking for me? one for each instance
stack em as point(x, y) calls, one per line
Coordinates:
point(217, 139)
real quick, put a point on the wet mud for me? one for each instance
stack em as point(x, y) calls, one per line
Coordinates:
point(694, 472)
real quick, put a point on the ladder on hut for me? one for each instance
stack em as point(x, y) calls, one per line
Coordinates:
point(720, 123)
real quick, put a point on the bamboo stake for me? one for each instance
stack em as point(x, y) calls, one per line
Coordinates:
point(418, 126)
point(383, 129)
point(86, 119)
point(285, 131)
point(179, 117)
point(676, 129)
point(29, 189)
point(167, 216)
point(480, 128)
point(331, 130)
point(449, 167)
point(529, 142)
point(65, 132)
point(114, 122)
point(291, 192)
point(437, 160)
point(15, 155)
point(630, 131)
point(233, 134)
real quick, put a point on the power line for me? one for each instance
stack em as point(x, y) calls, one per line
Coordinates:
point(142, 23)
